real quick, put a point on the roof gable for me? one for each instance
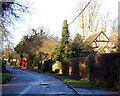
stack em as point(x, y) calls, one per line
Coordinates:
point(94, 37)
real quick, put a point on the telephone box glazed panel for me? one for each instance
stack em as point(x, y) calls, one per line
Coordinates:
point(24, 63)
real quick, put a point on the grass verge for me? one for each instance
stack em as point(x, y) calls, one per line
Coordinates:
point(5, 77)
point(77, 83)
point(82, 83)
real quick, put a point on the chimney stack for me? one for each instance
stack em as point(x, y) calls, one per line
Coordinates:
point(103, 28)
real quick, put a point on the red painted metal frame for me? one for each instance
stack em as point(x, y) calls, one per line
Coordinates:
point(24, 63)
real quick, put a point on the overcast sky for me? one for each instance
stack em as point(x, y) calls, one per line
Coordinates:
point(51, 13)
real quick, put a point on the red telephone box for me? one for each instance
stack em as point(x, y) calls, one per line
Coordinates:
point(24, 63)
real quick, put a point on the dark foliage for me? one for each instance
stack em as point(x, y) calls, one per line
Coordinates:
point(48, 65)
point(79, 48)
point(3, 66)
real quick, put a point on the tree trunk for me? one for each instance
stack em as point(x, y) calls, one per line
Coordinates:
point(39, 65)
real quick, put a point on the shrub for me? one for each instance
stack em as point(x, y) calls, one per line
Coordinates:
point(36, 61)
point(18, 63)
point(3, 66)
point(48, 65)
point(57, 70)
point(13, 63)
point(56, 67)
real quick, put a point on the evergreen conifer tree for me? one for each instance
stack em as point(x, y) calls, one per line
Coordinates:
point(64, 48)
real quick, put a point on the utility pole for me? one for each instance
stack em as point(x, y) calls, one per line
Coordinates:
point(1, 45)
point(119, 23)
point(1, 35)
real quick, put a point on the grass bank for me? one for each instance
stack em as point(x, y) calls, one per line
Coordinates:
point(5, 77)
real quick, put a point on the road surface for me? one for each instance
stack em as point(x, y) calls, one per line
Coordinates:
point(29, 82)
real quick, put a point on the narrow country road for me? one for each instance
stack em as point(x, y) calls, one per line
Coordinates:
point(29, 82)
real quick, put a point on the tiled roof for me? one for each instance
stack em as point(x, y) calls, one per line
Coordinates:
point(92, 37)
point(100, 49)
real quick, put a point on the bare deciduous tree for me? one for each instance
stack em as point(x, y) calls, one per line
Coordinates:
point(9, 12)
point(89, 19)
